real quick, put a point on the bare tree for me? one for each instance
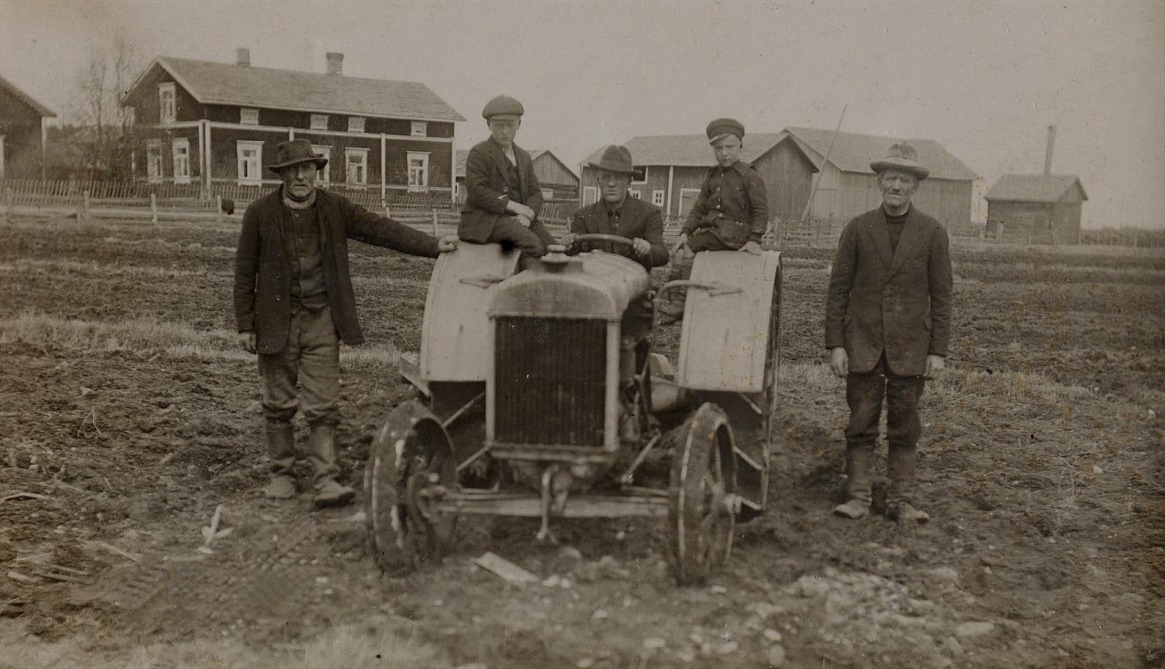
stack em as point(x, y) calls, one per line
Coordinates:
point(106, 129)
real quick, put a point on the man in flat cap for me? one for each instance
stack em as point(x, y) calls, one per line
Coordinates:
point(502, 194)
point(617, 213)
point(731, 211)
point(294, 304)
point(887, 327)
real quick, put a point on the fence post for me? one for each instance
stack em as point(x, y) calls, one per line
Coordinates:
point(85, 204)
point(154, 208)
point(387, 211)
point(7, 203)
point(218, 208)
point(436, 231)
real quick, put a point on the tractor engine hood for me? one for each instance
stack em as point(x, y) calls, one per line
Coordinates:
point(590, 285)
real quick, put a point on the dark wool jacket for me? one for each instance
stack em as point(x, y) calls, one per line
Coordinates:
point(637, 219)
point(263, 270)
point(487, 192)
point(898, 303)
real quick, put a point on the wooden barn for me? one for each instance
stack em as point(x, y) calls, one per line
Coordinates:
point(1035, 208)
point(217, 123)
point(22, 132)
point(559, 182)
point(674, 166)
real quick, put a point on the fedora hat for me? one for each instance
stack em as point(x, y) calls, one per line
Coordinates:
point(901, 156)
point(615, 159)
point(293, 152)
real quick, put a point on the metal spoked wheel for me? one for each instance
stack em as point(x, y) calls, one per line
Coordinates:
point(703, 502)
point(409, 460)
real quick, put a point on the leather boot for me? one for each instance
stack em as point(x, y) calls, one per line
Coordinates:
point(859, 460)
point(322, 455)
point(901, 466)
point(281, 452)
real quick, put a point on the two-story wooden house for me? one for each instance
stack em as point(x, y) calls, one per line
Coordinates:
point(22, 132)
point(216, 124)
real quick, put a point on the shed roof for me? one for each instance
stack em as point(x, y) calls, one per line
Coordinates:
point(268, 88)
point(1034, 187)
point(26, 99)
point(459, 162)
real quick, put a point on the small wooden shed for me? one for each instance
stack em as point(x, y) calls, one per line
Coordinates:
point(1035, 208)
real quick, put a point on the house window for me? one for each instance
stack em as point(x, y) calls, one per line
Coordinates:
point(250, 155)
point(325, 152)
point(420, 129)
point(657, 198)
point(249, 116)
point(640, 175)
point(418, 170)
point(590, 195)
point(355, 124)
point(166, 104)
point(319, 121)
point(356, 162)
point(636, 193)
point(154, 160)
point(547, 193)
point(181, 149)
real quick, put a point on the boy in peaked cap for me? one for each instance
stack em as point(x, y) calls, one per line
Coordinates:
point(502, 194)
point(731, 212)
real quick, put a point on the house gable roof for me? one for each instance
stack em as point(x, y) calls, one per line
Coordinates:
point(459, 161)
point(535, 154)
point(26, 99)
point(268, 88)
point(1034, 187)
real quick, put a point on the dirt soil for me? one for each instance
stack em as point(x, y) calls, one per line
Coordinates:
point(127, 417)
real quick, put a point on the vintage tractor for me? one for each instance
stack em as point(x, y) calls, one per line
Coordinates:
point(540, 396)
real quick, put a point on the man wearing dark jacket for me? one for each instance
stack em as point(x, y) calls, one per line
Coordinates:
point(887, 327)
point(294, 304)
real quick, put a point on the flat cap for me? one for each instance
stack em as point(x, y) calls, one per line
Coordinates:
point(725, 126)
point(502, 104)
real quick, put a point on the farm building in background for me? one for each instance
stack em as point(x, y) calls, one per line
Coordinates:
point(22, 132)
point(1035, 208)
point(213, 123)
point(559, 182)
point(673, 167)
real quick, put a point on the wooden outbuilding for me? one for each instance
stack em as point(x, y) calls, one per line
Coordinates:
point(22, 133)
point(559, 183)
point(1035, 209)
point(217, 123)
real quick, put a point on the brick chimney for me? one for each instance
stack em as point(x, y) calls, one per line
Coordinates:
point(243, 57)
point(335, 63)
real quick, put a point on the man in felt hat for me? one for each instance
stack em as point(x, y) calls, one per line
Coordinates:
point(502, 194)
point(294, 304)
point(617, 213)
point(887, 328)
point(731, 211)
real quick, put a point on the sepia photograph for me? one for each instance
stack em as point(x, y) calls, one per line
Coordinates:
point(531, 334)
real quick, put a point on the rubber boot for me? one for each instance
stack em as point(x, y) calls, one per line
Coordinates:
point(322, 455)
point(859, 460)
point(901, 466)
point(281, 452)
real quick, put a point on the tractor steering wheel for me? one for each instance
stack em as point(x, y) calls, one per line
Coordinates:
point(599, 237)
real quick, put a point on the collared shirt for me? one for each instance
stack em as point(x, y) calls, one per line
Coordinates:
point(735, 192)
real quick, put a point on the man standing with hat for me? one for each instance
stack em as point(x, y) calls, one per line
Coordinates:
point(502, 194)
point(294, 304)
point(887, 327)
point(617, 213)
point(731, 211)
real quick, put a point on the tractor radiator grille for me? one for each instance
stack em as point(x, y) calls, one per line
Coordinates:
point(549, 381)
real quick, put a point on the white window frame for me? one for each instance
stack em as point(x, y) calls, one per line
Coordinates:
point(248, 116)
point(167, 103)
point(423, 157)
point(1, 156)
point(684, 191)
point(419, 129)
point(154, 160)
point(319, 122)
point(253, 166)
point(658, 197)
point(323, 174)
point(547, 193)
point(635, 193)
point(180, 150)
point(590, 195)
point(355, 124)
point(361, 155)
point(644, 176)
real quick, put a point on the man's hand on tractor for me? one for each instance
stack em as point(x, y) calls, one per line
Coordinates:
point(680, 243)
point(752, 247)
point(447, 243)
point(641, 246)
point(568, 239)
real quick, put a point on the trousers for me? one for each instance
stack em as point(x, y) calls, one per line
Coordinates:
point(865, 394)
point(531, 242)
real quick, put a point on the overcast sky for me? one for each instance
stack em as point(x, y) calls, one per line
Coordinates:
point(982, 77)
